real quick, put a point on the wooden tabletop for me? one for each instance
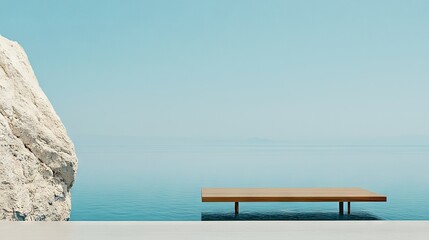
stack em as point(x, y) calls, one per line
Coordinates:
point(290, 195)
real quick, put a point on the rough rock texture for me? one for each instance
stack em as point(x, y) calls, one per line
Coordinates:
point(37, 159)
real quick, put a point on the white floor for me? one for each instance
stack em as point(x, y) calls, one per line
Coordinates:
point(216, 230)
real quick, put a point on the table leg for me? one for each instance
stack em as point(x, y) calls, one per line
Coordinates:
point(349, 208)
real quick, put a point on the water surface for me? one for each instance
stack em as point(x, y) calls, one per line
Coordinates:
point(148, 181)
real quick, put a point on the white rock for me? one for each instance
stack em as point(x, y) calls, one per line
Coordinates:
point(37, 159)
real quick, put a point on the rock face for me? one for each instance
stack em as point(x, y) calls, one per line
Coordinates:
point(37, 159)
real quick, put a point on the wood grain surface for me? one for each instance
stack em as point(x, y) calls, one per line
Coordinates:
point(290, 195)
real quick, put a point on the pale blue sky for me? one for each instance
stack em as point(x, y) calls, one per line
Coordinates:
point(284, 70)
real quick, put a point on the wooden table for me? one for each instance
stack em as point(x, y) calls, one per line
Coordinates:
point(339, 195)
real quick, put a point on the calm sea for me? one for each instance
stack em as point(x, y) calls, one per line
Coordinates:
point(156, 181)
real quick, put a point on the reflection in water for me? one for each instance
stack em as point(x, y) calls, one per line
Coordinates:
point(150, 182)
point(286, 216)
